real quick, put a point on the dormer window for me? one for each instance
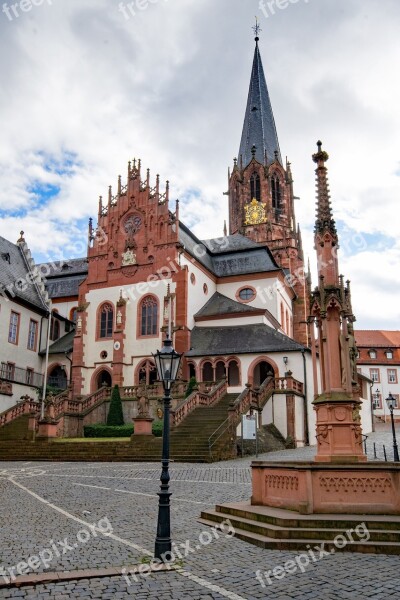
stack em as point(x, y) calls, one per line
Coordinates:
point(255, 187)
point(389, 354)
point(372, 354)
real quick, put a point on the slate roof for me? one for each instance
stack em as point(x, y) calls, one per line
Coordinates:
point(64, 277)
point(259, 124)
point(13, 268)
point(245, 339)
point(62, 345)
point(222, 305)
point(224, 257)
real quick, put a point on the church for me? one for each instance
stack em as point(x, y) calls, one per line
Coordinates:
point(238, 306)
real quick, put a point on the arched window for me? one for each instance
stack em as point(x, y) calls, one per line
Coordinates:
point(148, 316)
point(207, 372)
point(276, 192)
point(54, 329)
point(73, 313)
point(233, 373)
point(220, 371)
point(255, 187)
point(106, 321)
point(147, 373)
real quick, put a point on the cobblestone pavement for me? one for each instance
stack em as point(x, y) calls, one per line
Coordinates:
point(50, 506)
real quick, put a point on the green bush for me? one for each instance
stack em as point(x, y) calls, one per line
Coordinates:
point(117, 431)
point(115, 414)
point(191, 386)
point(107, 431)
point(157, 428)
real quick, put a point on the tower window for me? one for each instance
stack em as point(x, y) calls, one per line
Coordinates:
point(255, 187)
point(276, 192)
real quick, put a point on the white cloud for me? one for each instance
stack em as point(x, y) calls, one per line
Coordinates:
point(170, 85)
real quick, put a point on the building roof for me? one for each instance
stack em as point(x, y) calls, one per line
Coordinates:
point(377, 338)
point(259, 128)
point(13, 276)
point(222, 305)
point(63, 345)
point(243, 339)
point(230, 255)
point(64, 277)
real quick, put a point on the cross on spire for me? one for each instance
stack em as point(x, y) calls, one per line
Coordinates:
point(257, 30)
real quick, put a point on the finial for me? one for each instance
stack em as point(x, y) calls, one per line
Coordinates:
point(253, 150)
point(257, 30)
point(21, 239)
point(276, 154)
point(321, 157)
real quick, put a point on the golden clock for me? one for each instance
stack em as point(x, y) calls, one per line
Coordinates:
point(255, 213)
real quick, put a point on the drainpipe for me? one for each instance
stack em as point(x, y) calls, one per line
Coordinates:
point(306, 428)
point(372, 405)
point(46, 364)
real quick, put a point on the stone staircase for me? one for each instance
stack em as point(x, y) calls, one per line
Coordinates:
point(189, 442)
point(278, 529)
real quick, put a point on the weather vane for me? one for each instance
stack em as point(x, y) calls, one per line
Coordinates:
point(257, 29)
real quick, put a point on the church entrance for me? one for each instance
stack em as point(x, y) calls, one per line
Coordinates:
point(103, 379)
point(262, 371)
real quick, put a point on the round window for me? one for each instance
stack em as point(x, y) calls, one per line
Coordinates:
point(193, 278)
point(247, 294)
point(205, 288)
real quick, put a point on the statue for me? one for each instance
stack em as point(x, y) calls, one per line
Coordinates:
point(143, 407)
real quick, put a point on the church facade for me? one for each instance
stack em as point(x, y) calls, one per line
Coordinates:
point(237, 306)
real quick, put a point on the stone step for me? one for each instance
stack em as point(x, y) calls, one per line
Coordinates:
point(262, 541)
point(300, 533)
point(288, 518)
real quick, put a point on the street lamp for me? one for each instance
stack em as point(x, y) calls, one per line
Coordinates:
point(391, 402)
point(376, 398)
point(286, 361)
point(167, 363)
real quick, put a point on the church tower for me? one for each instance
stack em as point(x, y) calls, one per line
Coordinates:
point(261, 197)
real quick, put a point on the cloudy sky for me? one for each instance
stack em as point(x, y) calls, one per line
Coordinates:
point(87, 85)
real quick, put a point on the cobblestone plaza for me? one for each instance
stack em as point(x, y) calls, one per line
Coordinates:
point(71, 519)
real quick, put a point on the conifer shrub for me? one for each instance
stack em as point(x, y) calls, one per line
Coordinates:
point(115, 415)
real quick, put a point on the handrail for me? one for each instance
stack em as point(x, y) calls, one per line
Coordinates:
point(227, 424)
point(198, 398)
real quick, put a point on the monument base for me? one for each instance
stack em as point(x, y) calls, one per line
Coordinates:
point(309, 488)
point(142, 426)
point(47, 429)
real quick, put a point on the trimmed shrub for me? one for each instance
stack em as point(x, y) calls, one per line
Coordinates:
point(107, 431)
point(121, 431)
point(157, 428)
point(191, 386)
point(115, 414)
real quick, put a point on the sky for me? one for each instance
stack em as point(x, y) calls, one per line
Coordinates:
point(86, 85)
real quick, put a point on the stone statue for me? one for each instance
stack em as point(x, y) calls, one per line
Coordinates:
point(143, 407)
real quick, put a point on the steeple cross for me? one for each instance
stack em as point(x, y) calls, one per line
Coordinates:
point(257, 29)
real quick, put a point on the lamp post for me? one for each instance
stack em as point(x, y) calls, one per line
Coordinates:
point(286, 361)
point(391, 402)
point(167, 363)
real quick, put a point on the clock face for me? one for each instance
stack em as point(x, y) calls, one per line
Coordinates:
point(255, 213)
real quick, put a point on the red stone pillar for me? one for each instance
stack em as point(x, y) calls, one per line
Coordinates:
point(119, 343)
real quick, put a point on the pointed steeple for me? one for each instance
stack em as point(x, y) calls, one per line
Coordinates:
point(324, 217)
point(259, 128)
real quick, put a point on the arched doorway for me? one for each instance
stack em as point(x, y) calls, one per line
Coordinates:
point(192, 370)
point(233, 373)
point(220, 372)
point(147, 373)
point(207, 372)
point(103, 379)
point(58, 378)
point(262, 371)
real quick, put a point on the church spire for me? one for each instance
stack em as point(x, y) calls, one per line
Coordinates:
point(259, 128)
point(324, 220)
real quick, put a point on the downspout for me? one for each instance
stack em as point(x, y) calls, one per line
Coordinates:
point(306, 427)
point(46, 363)
point(372, 405)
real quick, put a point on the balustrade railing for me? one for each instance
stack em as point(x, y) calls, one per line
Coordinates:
point(204, 396)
